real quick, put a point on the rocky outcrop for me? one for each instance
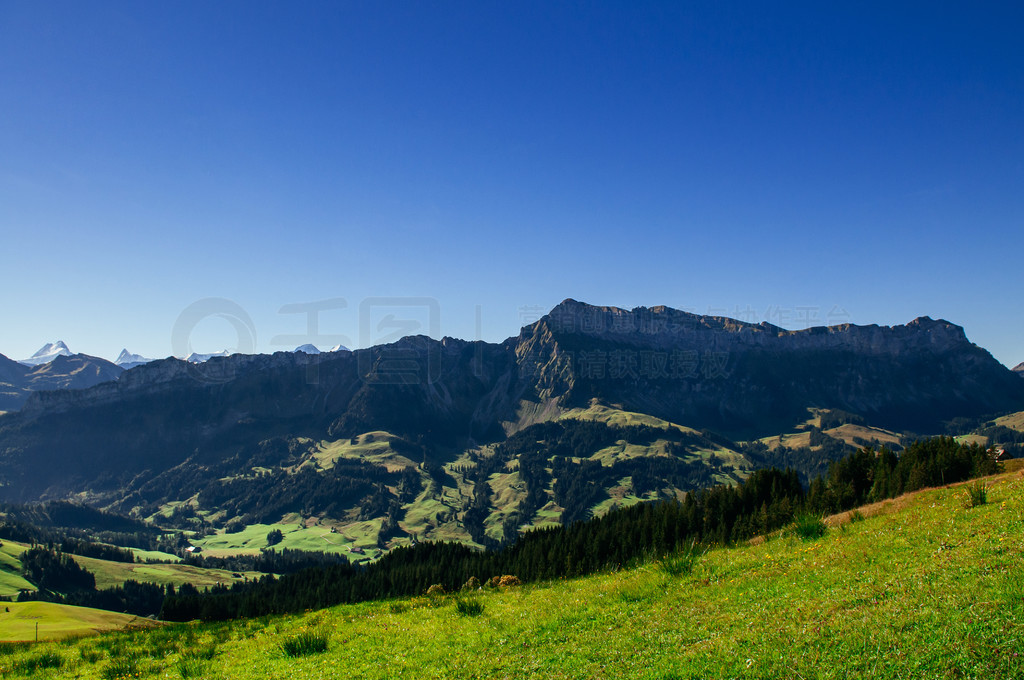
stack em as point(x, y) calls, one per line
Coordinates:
point(752, 379)
point(667, 328)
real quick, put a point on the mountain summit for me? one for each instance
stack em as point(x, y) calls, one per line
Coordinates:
point(48, 353)
point(128, 360)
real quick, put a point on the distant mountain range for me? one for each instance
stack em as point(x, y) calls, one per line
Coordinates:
point(59, 372)
point(587, 406)
point(56, 367)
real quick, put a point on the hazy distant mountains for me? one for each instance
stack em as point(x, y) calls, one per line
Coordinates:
point(55, 368)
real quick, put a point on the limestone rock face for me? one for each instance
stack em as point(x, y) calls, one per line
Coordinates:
point(749, 379)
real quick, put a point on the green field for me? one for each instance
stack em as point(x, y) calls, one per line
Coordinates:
point(849, 432)
point(11, 580)
point(153, 555)
point(373, 447)
point(923, 587)
point(297, 536)
point(1014, 421)
point(18, 621)
point(846, 433)
point(110, 574)
point(971, 439)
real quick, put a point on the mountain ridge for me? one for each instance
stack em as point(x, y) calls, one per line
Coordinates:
point(556, 353)
point(274, 427)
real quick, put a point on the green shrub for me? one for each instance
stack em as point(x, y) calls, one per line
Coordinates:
point(857, 516)
point(436, 595)
point(122, 667)
point(90, 655)
point(681, 563)
point(469, 607)
point(305, 643)
point(809, 526)
point(191, 667)
point(975, 494)
point(13, 647)
point(31, 664)
point(206, 652)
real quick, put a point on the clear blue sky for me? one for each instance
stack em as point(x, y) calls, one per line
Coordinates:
point(803, 164)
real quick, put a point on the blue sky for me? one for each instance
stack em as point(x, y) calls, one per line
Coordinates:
point(804, 165)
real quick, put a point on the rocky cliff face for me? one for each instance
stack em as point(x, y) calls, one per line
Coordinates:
point(751, 379)
point(667, 328)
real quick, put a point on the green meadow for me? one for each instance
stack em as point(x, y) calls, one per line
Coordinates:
point(18, 622)
point(110, 574)
point(296, 536)
point(923, 586)
point(11, 580)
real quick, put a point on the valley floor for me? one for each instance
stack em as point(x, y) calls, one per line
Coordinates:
point(923, 587)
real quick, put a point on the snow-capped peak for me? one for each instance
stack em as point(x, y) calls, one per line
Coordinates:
point(128, 360)
point(48, 353)
point(307, 349)
point(197, 358)
point(339, 348)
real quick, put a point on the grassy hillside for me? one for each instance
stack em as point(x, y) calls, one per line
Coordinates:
point(921, 587)
point(11, 580)
point(110, 574)
point(1014, 421)
point(57, 621)
point(854, 435)
point(612, 416)
point(436, 510)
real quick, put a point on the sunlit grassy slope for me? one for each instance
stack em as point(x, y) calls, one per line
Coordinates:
point(109, 574)
point(18, 621)
point(1014, 421)
point(922, 588)
point(11, 580)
